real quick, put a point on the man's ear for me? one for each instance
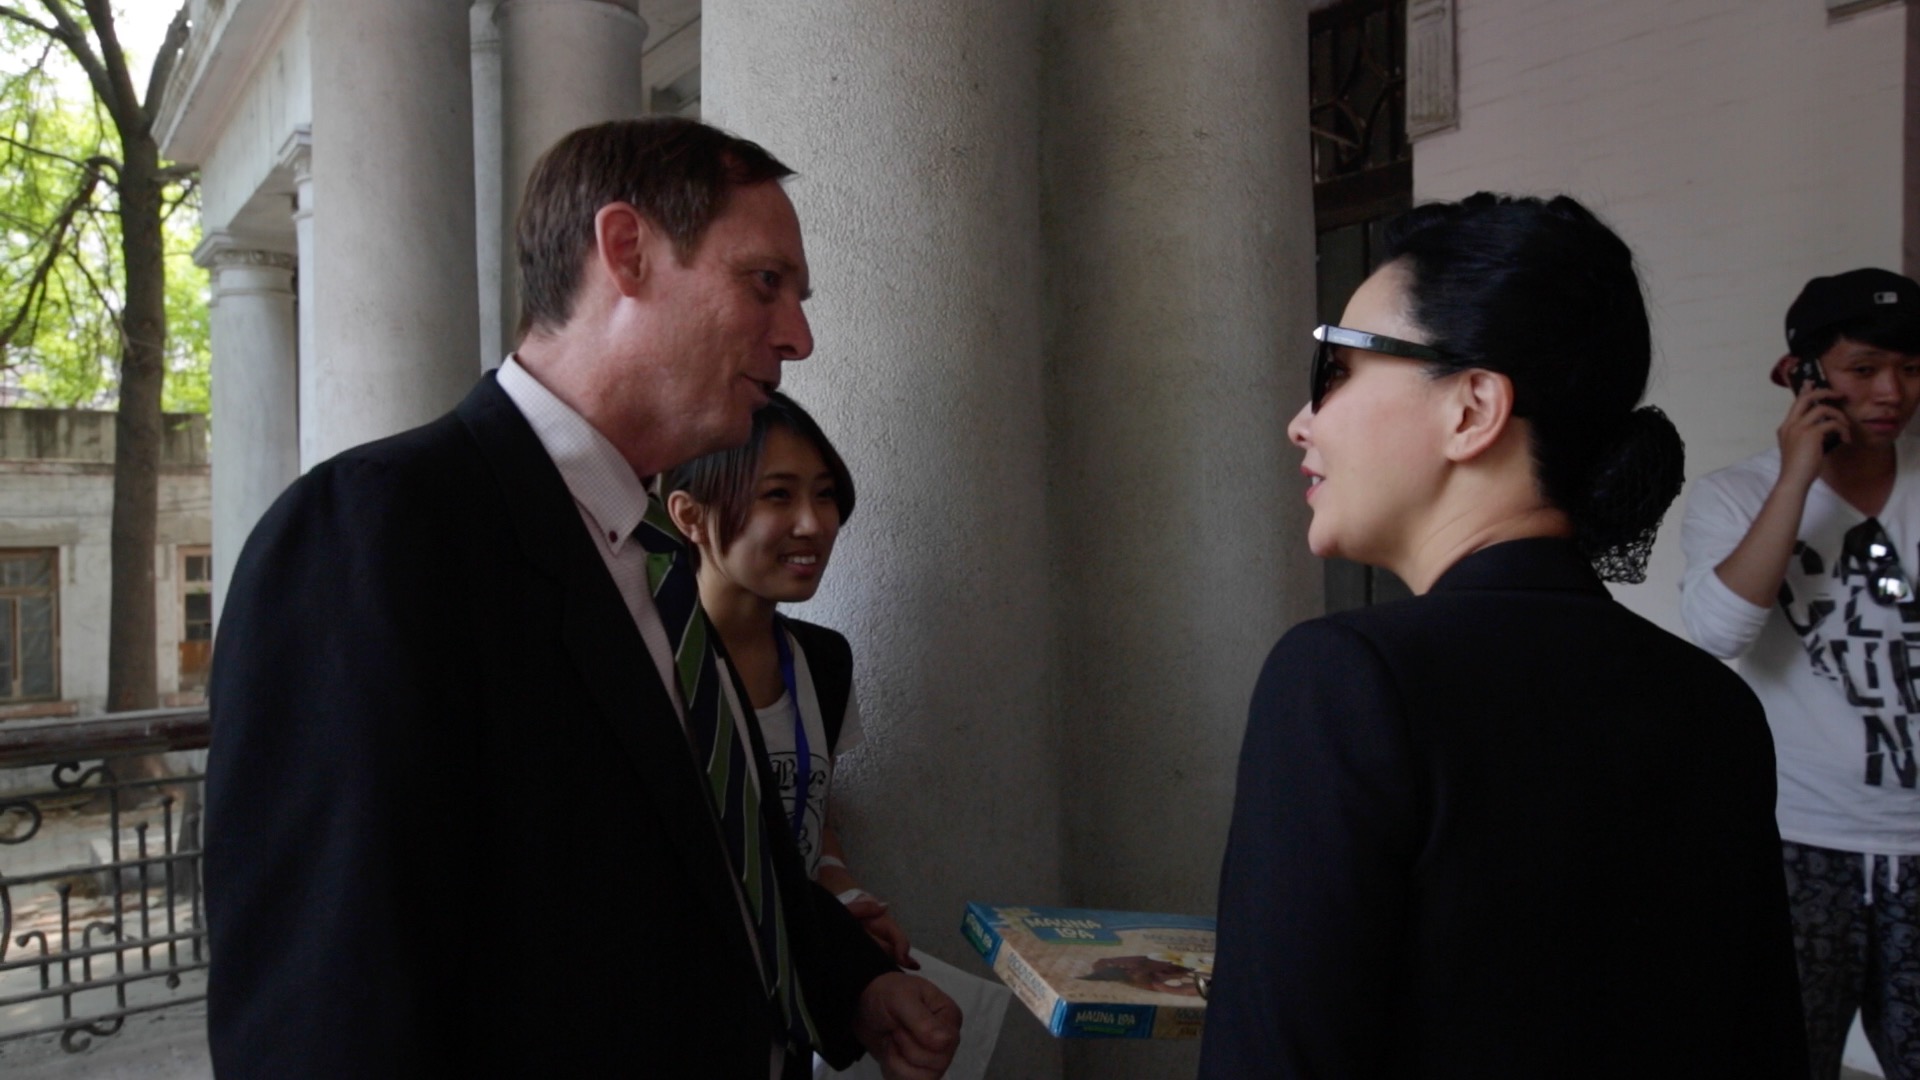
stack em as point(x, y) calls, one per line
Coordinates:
point(687, 516)
point(623, 246)
point(1782, 371)
point(1479, 408)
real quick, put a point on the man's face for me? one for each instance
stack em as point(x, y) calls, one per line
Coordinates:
point(726, 318)
point(1879, 389)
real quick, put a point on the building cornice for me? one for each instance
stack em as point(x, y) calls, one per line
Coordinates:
point(222, 248)
point(228, 43)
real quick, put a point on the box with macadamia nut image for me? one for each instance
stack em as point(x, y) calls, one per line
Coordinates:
point(1097, 974)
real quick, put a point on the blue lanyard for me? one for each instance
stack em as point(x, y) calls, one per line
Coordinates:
point(803, 758)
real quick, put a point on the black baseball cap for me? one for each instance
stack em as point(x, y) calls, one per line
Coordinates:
point(1844, 297)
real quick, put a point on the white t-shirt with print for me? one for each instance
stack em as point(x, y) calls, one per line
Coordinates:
point(783, 755)
point(1838, 673)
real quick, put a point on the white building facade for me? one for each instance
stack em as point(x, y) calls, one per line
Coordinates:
point(56, 510)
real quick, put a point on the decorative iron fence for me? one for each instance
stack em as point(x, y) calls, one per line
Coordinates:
point(100, 905)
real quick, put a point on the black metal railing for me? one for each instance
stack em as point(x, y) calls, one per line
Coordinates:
point(101, 914)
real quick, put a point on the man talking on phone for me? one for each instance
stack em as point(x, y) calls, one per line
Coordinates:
point(1800, 562)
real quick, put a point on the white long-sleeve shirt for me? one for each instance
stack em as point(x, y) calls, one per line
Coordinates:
point(1838, 673)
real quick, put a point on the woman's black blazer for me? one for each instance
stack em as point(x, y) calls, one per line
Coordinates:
point(1505, 829)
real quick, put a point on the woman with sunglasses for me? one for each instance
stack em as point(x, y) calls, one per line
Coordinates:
point(1505, 828)
point(1798, 564)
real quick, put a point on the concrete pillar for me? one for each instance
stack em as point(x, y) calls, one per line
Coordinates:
point(296, 156)
point(914, 130)
point(1180, 284)
point(255, 387)
point(564, 64)
point(396, 308)
point(490, 213)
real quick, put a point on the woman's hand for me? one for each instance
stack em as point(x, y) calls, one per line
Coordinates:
point(880, 925)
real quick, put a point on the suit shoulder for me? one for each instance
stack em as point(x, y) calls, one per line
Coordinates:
point(429, 448)
point(392, 495)
point(1336, 645)
point(412, 468)
point(1383, 628)
point(1708, 672)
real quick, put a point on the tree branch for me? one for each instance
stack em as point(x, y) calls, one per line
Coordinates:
point(15, 16)
point(56, 236)
point(125, 102)
point(69, 33)
point(189, 187)
point(93, 286)
point(9, 140)
point(171, 46)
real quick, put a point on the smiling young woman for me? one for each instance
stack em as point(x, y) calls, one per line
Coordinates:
point(762, 519)
point(1506, 827)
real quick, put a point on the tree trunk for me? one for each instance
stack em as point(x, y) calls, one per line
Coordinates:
point(133, 676)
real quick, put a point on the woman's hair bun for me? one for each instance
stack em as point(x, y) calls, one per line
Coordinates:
point(1634, 480)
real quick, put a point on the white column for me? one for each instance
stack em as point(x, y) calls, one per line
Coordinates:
point(1180, 282)
point(396, 308)
point(255, 387)
point(296, 156)
point(1064, 404)
point(490, 214)
point(564, 64)
point(914, 130)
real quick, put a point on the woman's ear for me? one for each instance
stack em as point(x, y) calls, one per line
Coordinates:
point(1481, 406)
point(688, 516)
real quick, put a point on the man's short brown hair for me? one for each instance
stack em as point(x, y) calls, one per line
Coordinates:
point(679, 173)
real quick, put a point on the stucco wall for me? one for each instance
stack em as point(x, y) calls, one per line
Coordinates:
point(56, 491)
point(1740, 148)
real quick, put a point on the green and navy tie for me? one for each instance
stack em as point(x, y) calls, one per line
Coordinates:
point(726, 758)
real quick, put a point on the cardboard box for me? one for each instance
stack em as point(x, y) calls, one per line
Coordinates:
point(1100, 974)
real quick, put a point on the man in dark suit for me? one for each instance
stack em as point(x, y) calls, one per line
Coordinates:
point(456, 824)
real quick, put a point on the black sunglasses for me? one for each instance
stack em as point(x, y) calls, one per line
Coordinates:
point(1867, 545)
point(1320, 375)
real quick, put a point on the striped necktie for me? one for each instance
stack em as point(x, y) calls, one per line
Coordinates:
point(727, 760)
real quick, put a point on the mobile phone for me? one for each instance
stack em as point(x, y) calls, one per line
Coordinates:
point(1807, 370)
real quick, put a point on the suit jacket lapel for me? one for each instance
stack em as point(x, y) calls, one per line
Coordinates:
point(605, 646)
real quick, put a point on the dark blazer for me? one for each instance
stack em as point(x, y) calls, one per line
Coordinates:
point(454, 824)
point(1506, 829)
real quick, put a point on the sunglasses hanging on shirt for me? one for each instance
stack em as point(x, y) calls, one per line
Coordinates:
point(1868, 548)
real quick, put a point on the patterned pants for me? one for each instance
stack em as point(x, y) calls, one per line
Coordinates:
point(1856, 933)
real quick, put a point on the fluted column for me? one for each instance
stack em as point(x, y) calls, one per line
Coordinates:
point(564, 64)
point(396, 296)
point(914, 130)
point(1180, 281)
point(255, 387)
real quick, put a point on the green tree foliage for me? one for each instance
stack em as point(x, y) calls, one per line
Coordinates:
point(62, 278)
point(115, 186)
